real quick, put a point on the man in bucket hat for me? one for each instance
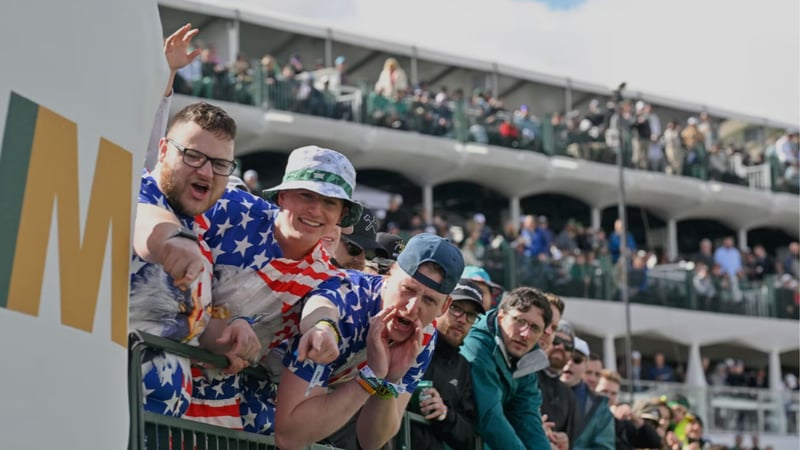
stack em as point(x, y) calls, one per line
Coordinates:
point(266, 259)
point(387, 339)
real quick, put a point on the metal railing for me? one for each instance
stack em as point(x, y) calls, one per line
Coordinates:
point(728, 408)
point(669, 285)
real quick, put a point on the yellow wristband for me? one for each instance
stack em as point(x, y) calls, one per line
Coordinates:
point(330, 323)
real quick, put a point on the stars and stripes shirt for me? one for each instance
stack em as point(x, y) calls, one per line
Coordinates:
point(357, 298)
point(251, 276)
point(156, 305)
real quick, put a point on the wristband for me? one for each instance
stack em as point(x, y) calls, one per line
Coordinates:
point(330, 323)
point(251, 320)
point(184, 233)
point(376, 386)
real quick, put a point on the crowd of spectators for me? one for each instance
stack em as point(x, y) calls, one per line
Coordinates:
point(649, 142)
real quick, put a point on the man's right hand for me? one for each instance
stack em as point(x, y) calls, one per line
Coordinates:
point(182, 260)
point(243, 346)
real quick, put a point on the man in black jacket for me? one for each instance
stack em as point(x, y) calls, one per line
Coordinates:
point(449, 373)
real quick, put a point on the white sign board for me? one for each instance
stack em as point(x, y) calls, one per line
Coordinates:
point(80, 83)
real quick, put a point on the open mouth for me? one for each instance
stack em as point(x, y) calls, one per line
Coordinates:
point(199, 190)
point(309, 223)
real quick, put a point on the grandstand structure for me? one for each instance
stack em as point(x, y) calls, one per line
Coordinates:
point(452, 171)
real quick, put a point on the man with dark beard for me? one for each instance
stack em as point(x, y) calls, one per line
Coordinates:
point(558, 401)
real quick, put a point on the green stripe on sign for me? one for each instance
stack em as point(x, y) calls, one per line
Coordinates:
point(15, 157)
point(319, 175)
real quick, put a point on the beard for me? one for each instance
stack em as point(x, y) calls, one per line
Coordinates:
point(558, 359)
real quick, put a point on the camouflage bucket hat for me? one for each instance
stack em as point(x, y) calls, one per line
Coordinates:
point(323, 171)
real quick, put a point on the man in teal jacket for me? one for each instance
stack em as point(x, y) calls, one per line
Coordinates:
point(503, 364)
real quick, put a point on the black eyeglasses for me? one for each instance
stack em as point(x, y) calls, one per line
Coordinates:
point(458, 312)
point(568, 346)
point(578, 359)
point(197, 159)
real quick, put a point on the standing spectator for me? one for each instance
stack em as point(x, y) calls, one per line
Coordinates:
point(705, 253)
point(791, 262)
point(786, 148)
point(558, 400)
point(655, 151)
point(660, 370)
point(543, 238)
point(631, 430)
point(673, 149)
point(709, 130)
point(636, 370)
point(450, 376)
point(251, 180)
point(729, 259)
point(392, 79)
point(596, 429)
point(594, 367)
point(503, 367)
point(693, 141)
point(397, 215)
point(717, 163)
point(614, 242)
point(704, 287)
point(641, 136)
point(762, 264)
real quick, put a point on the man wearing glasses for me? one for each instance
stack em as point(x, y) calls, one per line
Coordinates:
point(596, 430)
point(503, 369)
point(448, 405)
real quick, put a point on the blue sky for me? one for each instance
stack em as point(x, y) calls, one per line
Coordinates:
point(741, 55)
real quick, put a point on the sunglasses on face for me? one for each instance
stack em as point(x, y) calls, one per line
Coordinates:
point(578, 359)
point(564, 343)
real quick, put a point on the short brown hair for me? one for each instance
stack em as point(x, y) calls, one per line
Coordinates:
point(555, 301)
point(523, 298)
point(611, 375)
point(208, 117)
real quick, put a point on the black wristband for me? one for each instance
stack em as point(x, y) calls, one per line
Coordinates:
point(184, 233)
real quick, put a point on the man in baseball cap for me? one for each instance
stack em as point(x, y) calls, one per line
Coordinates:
point(391, 318)
point(491, 291)
point(356, 247)
point(389, 248)
point(448, 404)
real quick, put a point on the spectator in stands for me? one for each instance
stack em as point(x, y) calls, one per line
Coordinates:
point(450, 374)
point(761, 264)
point(791, 262)
point(655, 151)
point(705, 253)
point(708, 129)
point(251, 180)
point(596, 430)
point(594, 366)
point(693, 142)
point(369, 374)
point(389, 248)
point(729, 259)
point(503, 368)
point(636, 370)
point(673, 149)
point(270, 70)
point(558, 400)
point(392, 79)
point(660, 371)
point(704, 287)
point(786, 147)
point(631, 430)
point(717, 163)
point(615, 240)
point(565, 240)
point(640, 138)
point(397, 214)
point(355, 248)
point(542, 239)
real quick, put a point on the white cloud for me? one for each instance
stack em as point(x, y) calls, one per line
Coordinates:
point(740, 55)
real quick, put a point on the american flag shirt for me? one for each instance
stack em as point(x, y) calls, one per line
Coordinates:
point(156, 305)
point(358, 298)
